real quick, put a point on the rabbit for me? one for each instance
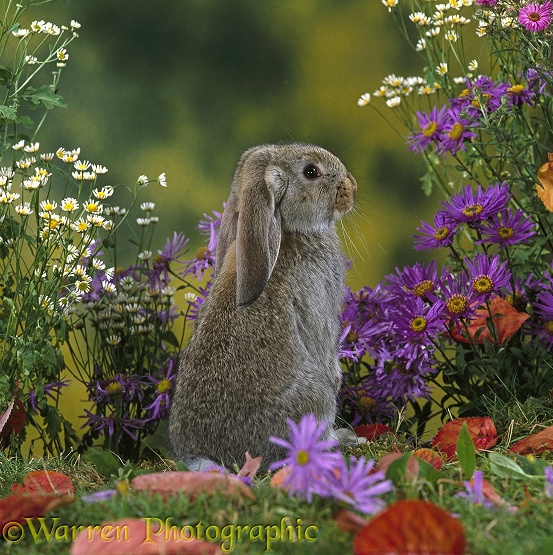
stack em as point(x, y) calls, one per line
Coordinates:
point(264, 347)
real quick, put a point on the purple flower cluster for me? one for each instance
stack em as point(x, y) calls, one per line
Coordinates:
point(449, 128)
point(399, 324)
point(315, 469)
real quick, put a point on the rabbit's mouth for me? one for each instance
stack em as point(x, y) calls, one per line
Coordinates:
point(345, 194)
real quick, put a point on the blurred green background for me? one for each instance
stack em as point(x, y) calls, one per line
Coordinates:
point(183, 87)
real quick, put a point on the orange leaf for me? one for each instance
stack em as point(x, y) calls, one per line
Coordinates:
point(141, 536)
point(372, 431)
point(16, 508)
point(411, 527)
point(506, 320)
point(545, 177)
point(192, 484)
point(430, 456)
point(481, 430)
point(45, 482)
point(535, 444)
point(491, 495)
point(279, 477)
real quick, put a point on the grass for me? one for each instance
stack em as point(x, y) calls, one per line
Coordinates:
point(489, 531)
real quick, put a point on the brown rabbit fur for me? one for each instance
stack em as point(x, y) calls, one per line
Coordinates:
point(264, 346)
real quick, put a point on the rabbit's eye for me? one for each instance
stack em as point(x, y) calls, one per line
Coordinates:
point(311, 172)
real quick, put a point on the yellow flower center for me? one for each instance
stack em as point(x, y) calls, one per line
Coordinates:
point(472, 210)
point(302, 457)
point(482, 284)
point(456, 131)
point(515, 89)
point(430, 129)
point(423, 287)
point(548, 327)
point(201, 253)
point(163, 386)
point(418, 324)
point(457, 304)
point(441, 233)
point(352, 336)
point(114, 388)
point(366, 403)
point(505, 232)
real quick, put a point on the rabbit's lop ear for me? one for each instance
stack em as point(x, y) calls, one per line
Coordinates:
point(256, 222)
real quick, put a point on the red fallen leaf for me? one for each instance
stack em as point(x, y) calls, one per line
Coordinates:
point(430, 456)
point(11, 421)
point(535, 444)
point(349, 522)
point(545, 177)
point(137, 536)
point(411, 527)
point(250, 468)
point(372, 431)
point(15, 508)
point(506, 320)
point(191, 483)
point(482, 432)
point(45, 482)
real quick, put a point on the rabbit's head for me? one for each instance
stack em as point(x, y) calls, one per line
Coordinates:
point(277, 189)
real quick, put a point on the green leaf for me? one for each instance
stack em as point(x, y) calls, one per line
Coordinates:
point(466, 453)
point(505, 467)
point(44, 96)
point(398, 469)
point(8, 113)
point(169, 337)
point(428, 472)
point(53, 422)
point(105, 462)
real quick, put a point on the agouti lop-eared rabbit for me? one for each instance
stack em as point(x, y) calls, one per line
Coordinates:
point(264, 346)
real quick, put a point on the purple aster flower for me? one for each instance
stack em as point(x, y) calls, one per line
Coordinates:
point(474, 491)
point(159, 407)
point(543, 311)
point(418, 279)
point(52, 390)
point(481, 95)
point(518, 94)
point(416, 325)
point(113, 424)
point(487, 275)
point(99, 496)
point(195, 301)
point(456, 131)
point(439, 235)
point(535, 17)
point(506, 228)
point(459, 297)
point(401, 383)
point(487, 2)
point(470, 206)
point(110, 391)
point(308, 456)
point(548, 487)
point(366, 401)
point(431, 126)
point(211, 224)
point(204, 259)
point(174, 248)
point(354, 485)
point(537, 79)
point(364, 321)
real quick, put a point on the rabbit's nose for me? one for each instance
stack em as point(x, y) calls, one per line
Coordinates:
point(349, 176)
point(345, 194)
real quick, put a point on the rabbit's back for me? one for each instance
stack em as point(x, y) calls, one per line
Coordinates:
point(246, 371)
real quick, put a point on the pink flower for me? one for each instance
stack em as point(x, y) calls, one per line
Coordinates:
point(535, 17)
